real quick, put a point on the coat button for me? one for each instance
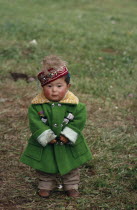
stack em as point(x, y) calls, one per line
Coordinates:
point(53, 104)
point(55, 125)
point(59, 104)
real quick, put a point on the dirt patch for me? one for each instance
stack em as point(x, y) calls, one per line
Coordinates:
point(110, 135)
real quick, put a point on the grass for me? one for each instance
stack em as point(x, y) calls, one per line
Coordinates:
point(97, 38)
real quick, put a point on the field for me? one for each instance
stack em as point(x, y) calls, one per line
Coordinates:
point(98, 40)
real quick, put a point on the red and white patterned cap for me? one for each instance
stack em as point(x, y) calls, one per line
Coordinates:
point(51, 74)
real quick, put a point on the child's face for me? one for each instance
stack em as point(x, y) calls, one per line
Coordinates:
point(56, 90)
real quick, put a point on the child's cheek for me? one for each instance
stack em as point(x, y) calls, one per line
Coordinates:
point(47, 93)
point(62, 93)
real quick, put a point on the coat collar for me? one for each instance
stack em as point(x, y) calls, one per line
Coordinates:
point(69, 98)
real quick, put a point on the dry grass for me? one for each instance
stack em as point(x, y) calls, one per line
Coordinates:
point(107, 182)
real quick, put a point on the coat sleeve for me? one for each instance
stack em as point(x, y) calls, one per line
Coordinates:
point(40, 131)
point(73, 129)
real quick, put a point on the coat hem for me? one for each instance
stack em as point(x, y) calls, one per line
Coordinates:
point(57, 172)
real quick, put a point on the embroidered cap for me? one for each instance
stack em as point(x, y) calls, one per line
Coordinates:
point(51, 74)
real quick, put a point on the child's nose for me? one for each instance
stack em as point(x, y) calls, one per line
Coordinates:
point(54, 89)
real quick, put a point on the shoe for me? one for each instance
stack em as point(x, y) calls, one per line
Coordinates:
point(44, 193)
point(72, 193)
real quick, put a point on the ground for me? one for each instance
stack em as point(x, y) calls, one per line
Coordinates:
point(107, 182)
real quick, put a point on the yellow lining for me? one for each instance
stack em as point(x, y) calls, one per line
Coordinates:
point(69, 98)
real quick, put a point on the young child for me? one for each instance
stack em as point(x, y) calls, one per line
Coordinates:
point(56, 119)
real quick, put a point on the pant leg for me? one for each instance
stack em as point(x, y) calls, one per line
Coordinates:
point(47, 181)
point(71, 180)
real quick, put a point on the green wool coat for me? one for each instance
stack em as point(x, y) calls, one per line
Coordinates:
point(44, 116)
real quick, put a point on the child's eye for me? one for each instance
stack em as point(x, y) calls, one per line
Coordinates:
point(59, 86)
point(49, 86)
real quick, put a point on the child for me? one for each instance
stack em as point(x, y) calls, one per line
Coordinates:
point(56, 119)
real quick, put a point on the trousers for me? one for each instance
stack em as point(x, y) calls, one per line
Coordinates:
point(49, 181)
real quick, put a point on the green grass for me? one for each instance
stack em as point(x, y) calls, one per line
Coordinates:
point(98, 40)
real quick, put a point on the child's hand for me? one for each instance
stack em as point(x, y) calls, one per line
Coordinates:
point(53, 141)
point(63, 139)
